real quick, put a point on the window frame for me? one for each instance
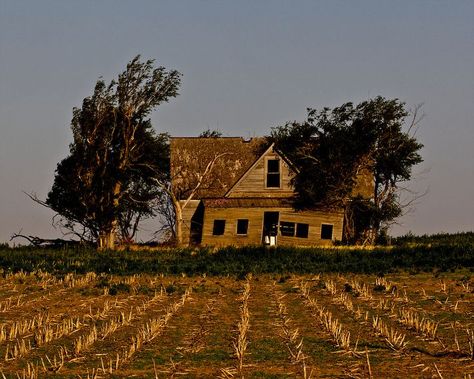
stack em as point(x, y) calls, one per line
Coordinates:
point(246, 227)
point(287, 222)
point(267, 172)
point(298, 227)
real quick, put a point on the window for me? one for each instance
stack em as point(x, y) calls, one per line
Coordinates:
point(290, 229)
point(302, 230)
point(219, 228)
point(326, 232)
point(273, 173)
point(242, 226)
point(287, 229)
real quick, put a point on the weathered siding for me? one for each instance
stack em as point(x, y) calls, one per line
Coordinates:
point(314, 220)
point(255, 217)
point(253, 183)
point(188, 213)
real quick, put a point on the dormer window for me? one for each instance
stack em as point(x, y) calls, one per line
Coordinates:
point(273, 173)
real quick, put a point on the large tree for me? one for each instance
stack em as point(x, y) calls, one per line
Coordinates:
point(337, 149)
point(105, 184)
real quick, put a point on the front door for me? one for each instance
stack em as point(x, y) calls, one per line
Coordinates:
point(270, 227)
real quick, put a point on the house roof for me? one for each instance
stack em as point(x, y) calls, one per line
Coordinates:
point(247, 203)
point(260, 157)
point(191, 155)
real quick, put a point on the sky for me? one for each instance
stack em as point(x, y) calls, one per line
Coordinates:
point(247, 66)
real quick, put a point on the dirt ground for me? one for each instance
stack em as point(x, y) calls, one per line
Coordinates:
point(319, 326)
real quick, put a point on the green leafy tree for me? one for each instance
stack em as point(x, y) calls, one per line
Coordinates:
point(337, 149)
point(106, 184)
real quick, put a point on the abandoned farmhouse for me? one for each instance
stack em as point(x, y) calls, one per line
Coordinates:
point(244, 195)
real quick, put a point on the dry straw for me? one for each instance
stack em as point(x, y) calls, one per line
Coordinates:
point(290, 335)
point(340, 335)
point(240, 342)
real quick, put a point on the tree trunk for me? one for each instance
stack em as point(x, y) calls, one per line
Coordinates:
point(374, 232)
point(179, 224)
point(107, 238)
point(107, 235)
point(348, 225)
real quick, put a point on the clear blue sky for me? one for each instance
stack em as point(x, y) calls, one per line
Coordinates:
point(247, 66)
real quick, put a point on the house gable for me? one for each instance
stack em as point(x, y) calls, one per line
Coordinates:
point(191, 155)
point(265, 179)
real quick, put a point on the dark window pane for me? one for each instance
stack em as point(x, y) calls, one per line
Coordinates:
point(219, 227)
point(302, 230)
point(287, 229)
point(326, 232)
point(273, 180)
point(242, 226)
point(273, 173)
point(273, 166)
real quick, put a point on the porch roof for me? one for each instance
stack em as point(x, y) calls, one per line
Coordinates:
point(247, 203)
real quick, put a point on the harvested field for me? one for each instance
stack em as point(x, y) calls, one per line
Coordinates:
point(261, 326)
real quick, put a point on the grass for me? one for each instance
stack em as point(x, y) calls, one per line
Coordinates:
point(415, 258)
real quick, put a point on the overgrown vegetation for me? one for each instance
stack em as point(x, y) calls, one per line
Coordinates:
point(415, 254)
point(361, 155)
point(440, 238)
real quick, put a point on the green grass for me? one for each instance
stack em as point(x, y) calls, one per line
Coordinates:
point(440, 238)
point(440, 256)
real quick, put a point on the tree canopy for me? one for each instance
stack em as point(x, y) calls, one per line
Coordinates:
point(208, 133)
point(337, 149)
point(105, 184)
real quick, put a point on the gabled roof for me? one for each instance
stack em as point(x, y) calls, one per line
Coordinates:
point(191, 155)
point(257, 161)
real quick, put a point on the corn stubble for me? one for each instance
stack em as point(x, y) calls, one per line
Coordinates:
point(340, 335)
point(388, 311)
point(240, 342)
point(290, 335)
point(145, 334)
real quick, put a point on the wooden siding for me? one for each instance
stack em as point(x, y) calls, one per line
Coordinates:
point(188, 213)
point(255, 216)
point(253, 183)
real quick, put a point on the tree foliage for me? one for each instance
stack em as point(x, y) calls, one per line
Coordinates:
point(105, 184)
point(335, 149)
point(208, 133)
